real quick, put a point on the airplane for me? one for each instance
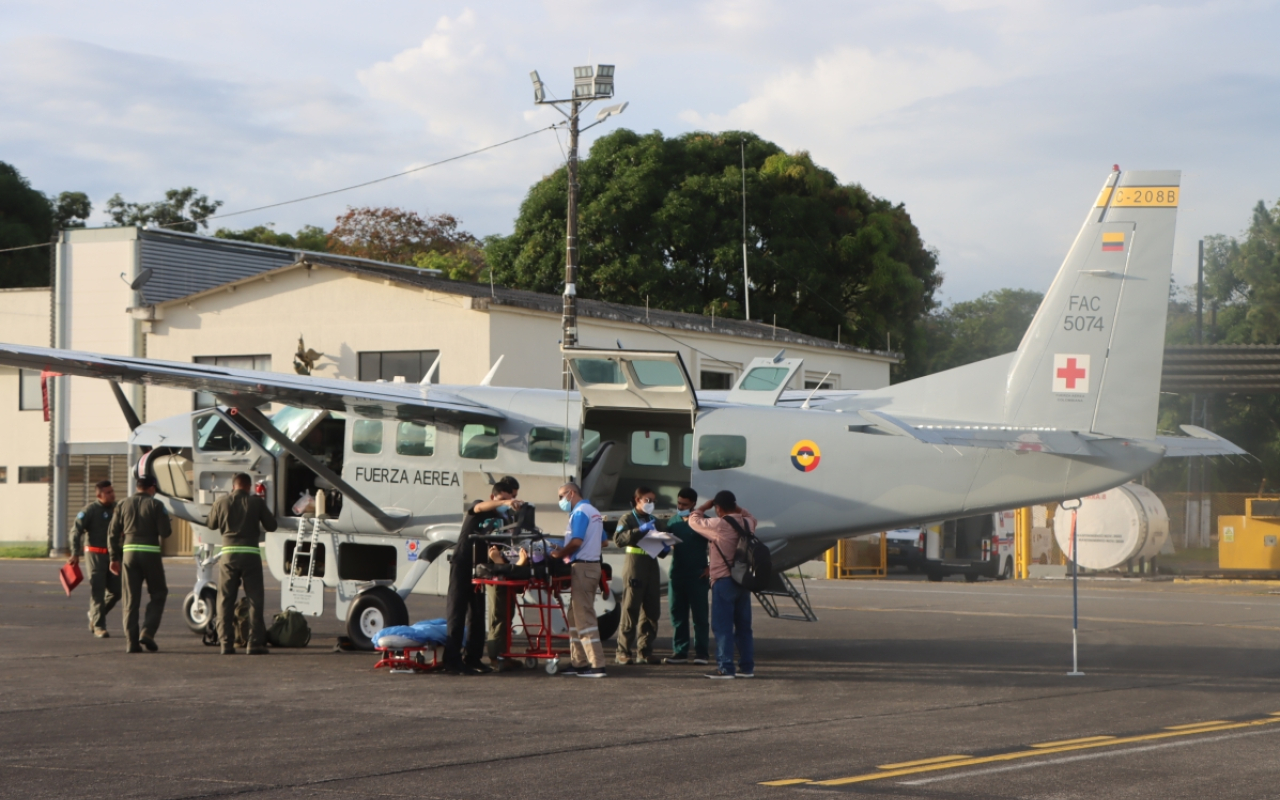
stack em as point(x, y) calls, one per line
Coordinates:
point(1070, 413)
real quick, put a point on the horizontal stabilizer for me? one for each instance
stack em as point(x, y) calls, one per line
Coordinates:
point(1198, 442)
point(996, 437)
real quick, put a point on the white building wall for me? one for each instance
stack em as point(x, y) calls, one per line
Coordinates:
point(24, 319)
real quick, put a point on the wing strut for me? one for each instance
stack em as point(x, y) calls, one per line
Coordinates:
point(254, 417)
point(130, 416)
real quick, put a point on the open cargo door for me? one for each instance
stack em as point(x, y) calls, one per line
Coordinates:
point(634, 379)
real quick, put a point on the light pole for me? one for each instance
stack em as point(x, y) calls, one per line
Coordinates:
point(589, 84)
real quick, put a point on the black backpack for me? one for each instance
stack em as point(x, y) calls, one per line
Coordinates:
point(752, 565)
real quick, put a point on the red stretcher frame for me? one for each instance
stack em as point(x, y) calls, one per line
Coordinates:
point(540, 638)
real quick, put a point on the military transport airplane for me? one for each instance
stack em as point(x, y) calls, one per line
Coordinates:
point(1070, 413)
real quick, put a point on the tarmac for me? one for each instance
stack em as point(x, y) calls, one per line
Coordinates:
point(903, 688)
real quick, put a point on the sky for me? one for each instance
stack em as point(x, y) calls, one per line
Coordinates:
point(994, 123)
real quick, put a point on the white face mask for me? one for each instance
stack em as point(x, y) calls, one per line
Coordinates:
point(646, 507)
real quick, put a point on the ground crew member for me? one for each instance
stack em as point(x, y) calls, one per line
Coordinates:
point(641, 599)
point(90, 538)
point(241, 517)
point(464, 606)
point(582, 542)
point(500, 608)
point(137, 526)
point(687, 585)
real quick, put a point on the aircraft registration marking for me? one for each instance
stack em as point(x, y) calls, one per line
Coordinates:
point(1042, 749)
point(1140, 197)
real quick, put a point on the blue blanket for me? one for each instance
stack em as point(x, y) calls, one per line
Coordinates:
point(427, 632)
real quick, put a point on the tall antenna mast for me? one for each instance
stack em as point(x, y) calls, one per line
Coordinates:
point(746, 282)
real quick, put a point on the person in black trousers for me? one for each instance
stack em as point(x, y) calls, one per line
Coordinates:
point(464, 606)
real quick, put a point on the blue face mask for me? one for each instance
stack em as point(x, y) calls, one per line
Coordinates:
point(565, 505)
point(684, 512)
point(504, 509)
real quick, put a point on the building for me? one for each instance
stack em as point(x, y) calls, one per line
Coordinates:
point(244, 305)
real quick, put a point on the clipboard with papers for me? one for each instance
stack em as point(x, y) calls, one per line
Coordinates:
point(653, 543)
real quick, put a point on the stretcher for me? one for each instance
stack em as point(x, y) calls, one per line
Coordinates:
point(408, 659)
point(544, 634)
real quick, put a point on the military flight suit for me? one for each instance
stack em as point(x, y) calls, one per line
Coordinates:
point(89, 540)
point(241, 518)
point(688, 588)
point(138, 525)
point(641, 599)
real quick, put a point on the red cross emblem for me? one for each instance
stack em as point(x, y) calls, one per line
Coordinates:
point(1071, 373)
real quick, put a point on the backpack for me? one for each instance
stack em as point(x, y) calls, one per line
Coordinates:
point(243, 621)
point(752, 565)
point(289, 628)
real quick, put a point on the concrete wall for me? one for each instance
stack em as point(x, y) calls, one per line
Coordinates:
point(24, 319)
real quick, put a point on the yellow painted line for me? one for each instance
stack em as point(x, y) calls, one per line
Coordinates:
point(1073, 741)
point(1197, 725)
point(1021, 754)
point(787, 782)
point(922, 762)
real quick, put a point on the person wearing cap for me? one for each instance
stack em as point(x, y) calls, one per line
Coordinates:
point(89, 540)
point(730, 603)
point(241, 517)
point(137, 526)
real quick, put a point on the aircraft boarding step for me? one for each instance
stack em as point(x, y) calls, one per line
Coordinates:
point(781, 586)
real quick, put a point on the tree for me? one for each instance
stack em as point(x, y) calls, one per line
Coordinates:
point(659, 220)
point(180, 210)
point(71, 210)
point(398, 236)
point(26, 218)
point(973, 330)
point(308, 237)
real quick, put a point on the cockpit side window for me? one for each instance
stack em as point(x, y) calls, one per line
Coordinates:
point(478, 441)
point(366, 436)
point(549, 445)
point(721, 452)
point(415, 439)
point(214, 435)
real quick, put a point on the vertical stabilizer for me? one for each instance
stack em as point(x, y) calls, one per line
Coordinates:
point(1092, 358)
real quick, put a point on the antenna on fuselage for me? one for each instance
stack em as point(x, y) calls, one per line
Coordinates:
point(493, 370)
point(426, 379)
point(781, 354)
point(815, 389)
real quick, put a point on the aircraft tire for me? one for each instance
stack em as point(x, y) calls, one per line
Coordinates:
point(372, 611)
point(609, 623)
point(197, 614)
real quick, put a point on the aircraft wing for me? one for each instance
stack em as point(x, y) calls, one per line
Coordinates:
point(250, 388)
point(1198, 442)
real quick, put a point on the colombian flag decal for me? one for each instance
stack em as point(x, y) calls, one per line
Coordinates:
point(805, 456)
point(1113, 242)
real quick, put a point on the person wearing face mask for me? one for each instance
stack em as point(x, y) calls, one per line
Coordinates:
point(464, 606)
point(583, 539)
point(499, 597)
point(688, 585)
point(641, 600)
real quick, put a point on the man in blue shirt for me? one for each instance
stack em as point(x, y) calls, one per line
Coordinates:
point(581, 549)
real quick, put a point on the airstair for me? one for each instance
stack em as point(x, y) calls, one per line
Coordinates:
point(782, 587)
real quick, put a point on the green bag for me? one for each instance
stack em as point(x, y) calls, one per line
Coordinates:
point(289, 629)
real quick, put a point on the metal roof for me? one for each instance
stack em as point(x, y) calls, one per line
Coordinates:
point(1230, 368)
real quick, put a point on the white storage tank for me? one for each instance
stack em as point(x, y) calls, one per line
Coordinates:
point(1114, 527)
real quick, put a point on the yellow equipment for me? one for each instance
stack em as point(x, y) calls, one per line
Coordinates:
point(1250, 542)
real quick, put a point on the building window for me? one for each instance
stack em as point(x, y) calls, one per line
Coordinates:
point(721, 452)
point(389, 365)
point(258, 363)
point(30, 398)
point(4, 474)
point(415, 439)
point(34, 474)
point(711, 381)
point(650, 448)
point(366, 437)
point(478, 441)
point(815, 381)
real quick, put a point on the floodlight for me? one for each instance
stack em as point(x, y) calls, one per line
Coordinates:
point(610, 111)
point(539, 91)
point(583, 85)
point(604, 80)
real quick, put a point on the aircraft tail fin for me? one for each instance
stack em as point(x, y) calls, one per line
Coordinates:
point(1092, 357)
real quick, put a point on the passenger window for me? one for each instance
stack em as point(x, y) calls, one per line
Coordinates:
point(650, 448)
point(549, 445)
point(686, 454)
point(599, 370)
point(721, 452)
point(214, 435)
point(415, 439)
point(658, 373)
point(366, 436)
point(764, 379)
point(478, 441)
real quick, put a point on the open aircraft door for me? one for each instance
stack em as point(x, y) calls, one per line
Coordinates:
point(222, 447)
point(650, 380)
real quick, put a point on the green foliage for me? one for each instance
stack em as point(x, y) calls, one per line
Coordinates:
point(463, 264)
point(660, 220)
point(24, 551)
point(180, 210)
point(308, 237)
point(973, 330)
point(71, 210)
point(26, 218)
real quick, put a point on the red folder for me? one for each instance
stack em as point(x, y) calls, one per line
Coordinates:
point(70, 576)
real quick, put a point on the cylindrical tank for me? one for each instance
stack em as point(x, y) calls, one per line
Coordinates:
point(1115, 526)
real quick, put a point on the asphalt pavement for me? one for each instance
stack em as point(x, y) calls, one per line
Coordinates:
point(902, 689)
